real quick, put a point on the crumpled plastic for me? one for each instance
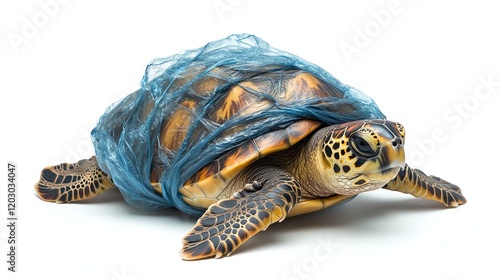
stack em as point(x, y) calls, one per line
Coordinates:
point(126, 138)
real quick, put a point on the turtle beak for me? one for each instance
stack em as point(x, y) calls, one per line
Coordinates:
point(390, 161)
point(392, 156)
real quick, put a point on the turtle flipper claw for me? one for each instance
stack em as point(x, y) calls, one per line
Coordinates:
point(227, 224)
point(255, 186)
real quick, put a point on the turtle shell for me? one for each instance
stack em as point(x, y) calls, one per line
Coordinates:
point(195, 111)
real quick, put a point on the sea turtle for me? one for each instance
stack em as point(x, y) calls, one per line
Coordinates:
point(244, 135)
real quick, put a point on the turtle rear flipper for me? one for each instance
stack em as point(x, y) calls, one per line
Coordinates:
point(71, 182)
point(417, 183)
point(228, 223)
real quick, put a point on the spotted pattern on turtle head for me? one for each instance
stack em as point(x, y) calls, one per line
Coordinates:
point(361, 154)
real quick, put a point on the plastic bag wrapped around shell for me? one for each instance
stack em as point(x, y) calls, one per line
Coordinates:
point(133, 137)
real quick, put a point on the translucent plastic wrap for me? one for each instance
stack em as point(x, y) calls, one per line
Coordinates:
point(127, 138)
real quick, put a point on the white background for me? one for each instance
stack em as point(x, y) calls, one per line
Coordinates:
point(64, 63)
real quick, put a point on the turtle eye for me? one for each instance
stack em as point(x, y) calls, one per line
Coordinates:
point(362, 147)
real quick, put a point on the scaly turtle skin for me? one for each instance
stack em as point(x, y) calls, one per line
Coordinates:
point(296, 169)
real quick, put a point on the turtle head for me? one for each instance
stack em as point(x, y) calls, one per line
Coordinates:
point(362, 155)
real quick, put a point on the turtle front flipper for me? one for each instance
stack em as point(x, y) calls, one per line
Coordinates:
point(417, 183)
point(230, 222)
point(71, 182)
